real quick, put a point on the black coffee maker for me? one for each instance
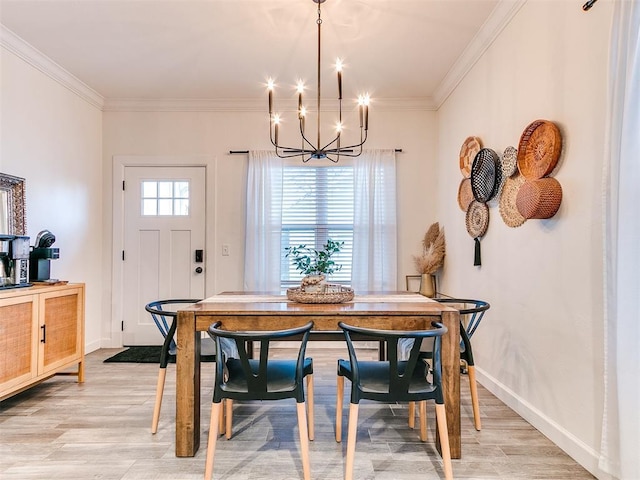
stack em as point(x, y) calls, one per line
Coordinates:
point(41, 256)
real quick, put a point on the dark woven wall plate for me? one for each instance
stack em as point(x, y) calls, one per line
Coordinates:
point(486, 175)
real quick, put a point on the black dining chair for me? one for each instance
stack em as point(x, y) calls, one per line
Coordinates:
point(247, 379)
point(164, 314)
point(393, 380)
point(471, 314)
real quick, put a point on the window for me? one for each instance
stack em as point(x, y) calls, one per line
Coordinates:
point(317, 204)
point(165, 197)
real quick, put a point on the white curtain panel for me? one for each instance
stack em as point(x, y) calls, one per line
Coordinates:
point(263, 222)
point(620, 452)
point(374, 222)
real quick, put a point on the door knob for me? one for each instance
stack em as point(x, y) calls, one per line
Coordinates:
point(199, 270)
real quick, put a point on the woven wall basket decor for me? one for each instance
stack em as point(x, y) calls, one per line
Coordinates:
point(539, 198)
point(539, 149)
point(477, 222)
point(470, 147)
point(486, 175)
point(508, 209)
point(509, 162)
point(465, 195)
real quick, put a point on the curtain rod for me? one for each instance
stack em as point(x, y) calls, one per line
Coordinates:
point(241, 152)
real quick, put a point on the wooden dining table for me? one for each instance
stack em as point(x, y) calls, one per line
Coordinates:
point(254, 312)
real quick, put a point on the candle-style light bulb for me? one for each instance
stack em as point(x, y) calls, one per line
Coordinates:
point(276, 122)
point(366, 111)
point(270, 86)
point(303, 113)
point(339, 70)
point(361, 109)
point(300, 89)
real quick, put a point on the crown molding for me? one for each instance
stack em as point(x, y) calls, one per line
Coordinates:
point(500, 17)
point(16, 45)
point(245, 104)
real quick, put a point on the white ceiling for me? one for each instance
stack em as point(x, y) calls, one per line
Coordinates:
point(226, 49)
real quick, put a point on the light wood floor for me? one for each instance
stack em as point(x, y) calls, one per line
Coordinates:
point(100, 430)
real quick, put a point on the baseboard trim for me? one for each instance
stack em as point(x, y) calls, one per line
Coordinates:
point(582, 453)
point(92, 346)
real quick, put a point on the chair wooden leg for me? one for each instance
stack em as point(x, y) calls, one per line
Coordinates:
point(423, 420)
point(339, 399)
point(162, 374)
point(213, 437)
point(310, 416)
point(441, 416)
point(351, 440)
point(304, 440)
point(474, 396)
point(412, 415)
point(229, 415)
point(221, 427)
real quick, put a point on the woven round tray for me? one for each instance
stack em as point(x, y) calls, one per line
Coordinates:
point(477, 219)
point(297, 295)
point(465, 195)
point(509, 162)
point(539, 149)
point(539, 198)
point(486, 175)
point(468, 151)
point(508, 210)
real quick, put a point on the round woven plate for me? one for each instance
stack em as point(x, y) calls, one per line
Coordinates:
point(486, 175)
point(509, 162)
point(539, 149)
point(508, 210)
point(297, 295)
point(465, 195)
point(468, 151)
point(477, 219)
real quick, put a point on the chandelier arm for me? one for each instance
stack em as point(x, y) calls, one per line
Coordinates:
point(304, 137)
point(356, 145)
point(331, 143)
point(298, 153)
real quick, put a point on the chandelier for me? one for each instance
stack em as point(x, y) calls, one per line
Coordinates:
point(332, 150)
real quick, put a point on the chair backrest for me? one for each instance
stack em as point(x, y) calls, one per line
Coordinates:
point(470, 310)
point(254, 372)
point(401, 374)
point(164, 313)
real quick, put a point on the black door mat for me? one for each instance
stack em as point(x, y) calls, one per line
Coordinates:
point(146, 354)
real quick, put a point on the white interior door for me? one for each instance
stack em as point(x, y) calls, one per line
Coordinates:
point(164, 226)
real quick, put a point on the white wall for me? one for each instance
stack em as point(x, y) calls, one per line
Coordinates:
point(540, 348)
point(214, 133)
point(53, 139)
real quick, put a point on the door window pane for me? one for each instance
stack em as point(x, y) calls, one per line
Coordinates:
point(165, 197)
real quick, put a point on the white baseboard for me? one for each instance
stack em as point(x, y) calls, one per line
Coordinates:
point(569, 443)
point(92, 346)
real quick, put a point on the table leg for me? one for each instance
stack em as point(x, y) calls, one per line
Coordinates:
point(451, 380)
point(187, 386)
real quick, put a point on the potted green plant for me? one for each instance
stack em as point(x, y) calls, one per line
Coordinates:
point(314, 264)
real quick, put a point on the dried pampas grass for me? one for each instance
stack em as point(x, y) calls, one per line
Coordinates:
point(433, 252)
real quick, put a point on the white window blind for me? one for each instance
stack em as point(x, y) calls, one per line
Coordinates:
point(317, 205)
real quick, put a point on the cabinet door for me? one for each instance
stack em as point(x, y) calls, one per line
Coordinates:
point(61, 329)
point(18, 341)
